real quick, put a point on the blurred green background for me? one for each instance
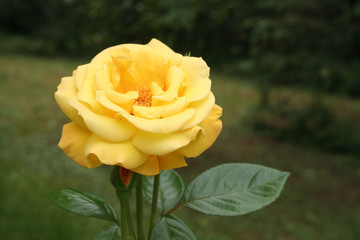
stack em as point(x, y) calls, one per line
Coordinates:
point(286, 72)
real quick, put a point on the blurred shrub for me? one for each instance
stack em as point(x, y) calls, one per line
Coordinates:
point(310, 44)
point(307, 43)
point(311, 124)
point(25, 45)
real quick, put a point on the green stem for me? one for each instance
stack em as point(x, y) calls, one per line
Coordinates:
point(154, 204)
point(129, 221)
point(123, 214)
point(139, 209)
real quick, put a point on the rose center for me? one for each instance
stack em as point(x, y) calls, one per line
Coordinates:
point(145, 97)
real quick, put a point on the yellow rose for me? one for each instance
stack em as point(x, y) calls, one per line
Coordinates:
point(142, 107)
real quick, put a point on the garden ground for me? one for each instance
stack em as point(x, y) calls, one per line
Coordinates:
point(320, 199)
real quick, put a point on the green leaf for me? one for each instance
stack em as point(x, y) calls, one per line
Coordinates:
point(170, 191)
point(234, 189)
point(171, 228)
point(111, 233)
point(83, 204)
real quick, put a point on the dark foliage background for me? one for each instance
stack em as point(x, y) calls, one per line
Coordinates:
point(314, 44)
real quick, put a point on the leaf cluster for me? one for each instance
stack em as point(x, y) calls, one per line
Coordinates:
point(226, 190)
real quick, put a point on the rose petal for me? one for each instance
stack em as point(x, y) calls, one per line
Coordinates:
point(126, 101)
point(171, 161)
point(212, 128)
point(86, 92)
point(106, 54)
point(129, 77)
point(86, 89)
point(105, 102)
point(65, 91)
point(162, 144)
point(80, 75)
point(149, 168)
point(156, 90)
point(110, 129)
point(174, 80)
point(161, 111)
point(197, 79)
point(103, 79)
point(158, 45)
point(73, 142)
point(152, 64)
point(124, 153)
point(116, 77)
point(174, 59)
point(147, 60)
point(203, 109)
point(164, 125)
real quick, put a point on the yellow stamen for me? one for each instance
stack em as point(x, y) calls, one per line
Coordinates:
point(145, 97)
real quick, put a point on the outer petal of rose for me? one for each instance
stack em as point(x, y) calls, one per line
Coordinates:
point(86, 92)
point(161, 111)
point(158, 45)
point(196, 79)
point(67, 90)
point(162, 144)
point(164, 125)
point(171, 161)
point(212, 128)
point(149, 168)
point(86, 89)
point(174, 58)
point(73, 142)
point(110, 129)
point(203, 109)
point(80, 75)
point(124, 153)
point(105, 55)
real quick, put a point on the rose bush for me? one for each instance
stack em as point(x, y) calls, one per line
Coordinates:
point(142, 107)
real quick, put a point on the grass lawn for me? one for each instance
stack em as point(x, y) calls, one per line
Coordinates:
point(320, 200)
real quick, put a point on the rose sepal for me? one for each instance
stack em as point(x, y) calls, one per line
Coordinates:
point(123, 179)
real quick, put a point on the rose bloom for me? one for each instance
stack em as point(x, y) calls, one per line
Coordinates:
point(142, 107)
